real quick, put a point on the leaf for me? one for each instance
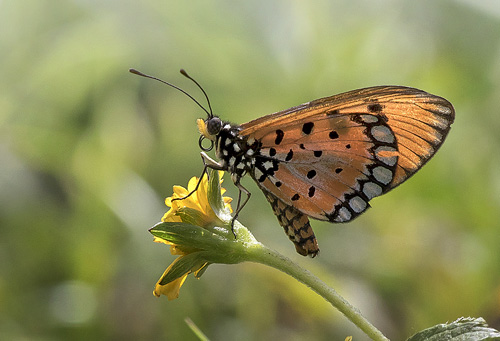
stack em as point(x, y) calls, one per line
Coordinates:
point(463, 329)
point(190, 215)
point(183, 265)
point(183, 234)
point(215, 197)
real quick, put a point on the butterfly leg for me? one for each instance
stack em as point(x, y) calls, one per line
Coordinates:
point(208, 162)
point(196, 187)
point(211, 163)
point(239, 205)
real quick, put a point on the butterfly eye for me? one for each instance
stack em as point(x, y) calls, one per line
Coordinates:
point(214, 125)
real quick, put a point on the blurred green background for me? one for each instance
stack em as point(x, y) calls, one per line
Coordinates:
point(88, 152)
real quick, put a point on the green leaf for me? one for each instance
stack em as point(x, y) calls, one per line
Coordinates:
point(215, 197)
point(190, 215)
point(202, 270)
point(218, 248)
point(465, 328)
point(187, 235)
point(183, 265)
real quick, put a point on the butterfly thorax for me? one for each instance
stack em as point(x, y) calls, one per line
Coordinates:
point(236, 153)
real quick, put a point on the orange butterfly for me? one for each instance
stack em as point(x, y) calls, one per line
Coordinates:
point(328, 158)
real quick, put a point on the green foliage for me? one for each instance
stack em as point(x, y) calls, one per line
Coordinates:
point(88, 152)
point(459, 330)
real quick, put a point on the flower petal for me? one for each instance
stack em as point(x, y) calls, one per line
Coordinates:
point(180, 191)
point(171, 290)
point(160, 240)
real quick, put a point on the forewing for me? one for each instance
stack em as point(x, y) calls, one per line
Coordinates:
point(420, 121)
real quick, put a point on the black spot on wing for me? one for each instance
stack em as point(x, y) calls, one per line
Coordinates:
point(374, 107)
point(312, 189)
point(279, 136)
point(307, 128)
point(333, 135)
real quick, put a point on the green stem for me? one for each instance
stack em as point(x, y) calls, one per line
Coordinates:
point(194, 328)
point(261, 254)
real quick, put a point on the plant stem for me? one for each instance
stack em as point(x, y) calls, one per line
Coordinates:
point(194, 328)
point(266, 256)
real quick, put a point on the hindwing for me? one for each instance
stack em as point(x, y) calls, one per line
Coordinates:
point(328, 168)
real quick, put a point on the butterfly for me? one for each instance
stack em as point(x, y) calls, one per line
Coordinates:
point(326, 159)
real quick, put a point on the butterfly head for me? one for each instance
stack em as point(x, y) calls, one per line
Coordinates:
point(210, 127)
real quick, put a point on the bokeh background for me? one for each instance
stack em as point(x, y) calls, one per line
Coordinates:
point(88, 152)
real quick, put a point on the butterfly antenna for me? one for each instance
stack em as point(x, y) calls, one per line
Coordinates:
point(134, 71)
point(185, 74)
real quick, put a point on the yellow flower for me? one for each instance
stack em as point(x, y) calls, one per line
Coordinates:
point(197, 201)
point(186, 227)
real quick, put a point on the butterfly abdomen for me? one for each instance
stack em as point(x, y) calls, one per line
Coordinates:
point(296, 226)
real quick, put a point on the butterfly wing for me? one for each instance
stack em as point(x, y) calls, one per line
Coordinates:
point(326, 159)
point(419, 120)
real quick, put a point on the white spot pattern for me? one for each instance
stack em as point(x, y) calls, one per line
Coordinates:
point(382, 134)
point(388, 160)
point(371, 190)
point(369, 118)
point(267, 165)
point(344, 215)
point(382, 175)
point(357, 204)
